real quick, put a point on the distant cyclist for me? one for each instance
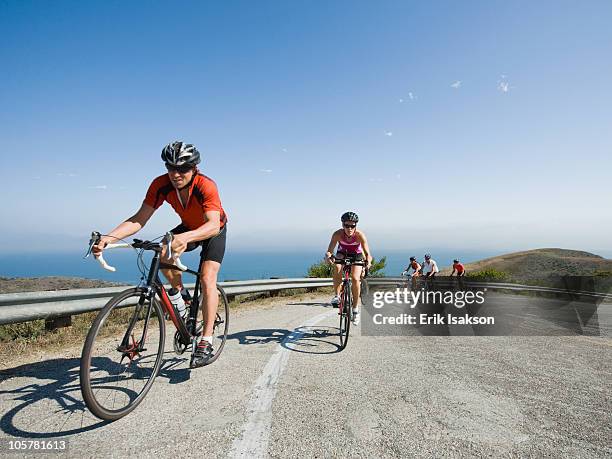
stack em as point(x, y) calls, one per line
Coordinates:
point(458, 268)
point(430, 267)
point(414, 266)
point(352, 243)
point(195, 198)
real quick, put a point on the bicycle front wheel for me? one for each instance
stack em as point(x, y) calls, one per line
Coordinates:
point(122, 354)
point(346, 309)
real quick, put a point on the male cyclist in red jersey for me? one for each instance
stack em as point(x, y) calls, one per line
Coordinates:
point(195, 199)
point(459, 268)
point(352, 243)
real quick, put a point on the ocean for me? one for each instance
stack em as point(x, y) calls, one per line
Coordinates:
point(236, 265)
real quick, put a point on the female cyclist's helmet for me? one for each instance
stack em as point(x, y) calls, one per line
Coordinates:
point(412, 258)
point(427, 256)
point(179, 153)
point(349, 217)
point(455, 261)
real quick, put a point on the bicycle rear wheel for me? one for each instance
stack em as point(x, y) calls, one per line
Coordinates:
point(346, 310)
point(221, 325)
point(122, 354)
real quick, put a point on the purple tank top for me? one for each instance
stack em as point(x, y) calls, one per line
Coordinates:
point(349, 245)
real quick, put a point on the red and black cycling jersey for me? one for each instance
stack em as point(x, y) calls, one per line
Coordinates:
point(203, 197)
point(458, 267)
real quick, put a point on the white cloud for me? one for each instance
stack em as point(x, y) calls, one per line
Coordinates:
point(284, 150)
point(99, 187)
point(503, 86)
point(388, 133)
point(65, 174)
point(375, 180)
point(456, 84)
point(267, 171)
point(411, 96)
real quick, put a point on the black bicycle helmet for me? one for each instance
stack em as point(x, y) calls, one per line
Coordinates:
point(412, 258)
point(178, 153)
point(349, 217)
point(455, 261)
point(427, 256)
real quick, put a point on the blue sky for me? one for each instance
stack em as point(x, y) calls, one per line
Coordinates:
point(480, 125)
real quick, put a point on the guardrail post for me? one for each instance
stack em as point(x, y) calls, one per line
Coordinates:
point(58, 322)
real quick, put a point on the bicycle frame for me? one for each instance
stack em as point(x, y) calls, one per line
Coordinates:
point(346, 284)
point(347, 265)
point(154, 286)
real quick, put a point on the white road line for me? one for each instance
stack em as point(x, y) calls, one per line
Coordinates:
point(253, 442)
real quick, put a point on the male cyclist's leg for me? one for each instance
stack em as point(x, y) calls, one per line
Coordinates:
point(211, 258)
point(210, 297)
point(213, 251)
point(175, 279)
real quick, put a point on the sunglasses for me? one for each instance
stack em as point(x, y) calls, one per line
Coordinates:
point(179, 169)
point(348, 225)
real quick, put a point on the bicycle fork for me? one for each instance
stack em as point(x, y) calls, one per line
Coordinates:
point(131, 350)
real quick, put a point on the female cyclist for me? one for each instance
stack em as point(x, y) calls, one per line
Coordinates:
point(352, 243)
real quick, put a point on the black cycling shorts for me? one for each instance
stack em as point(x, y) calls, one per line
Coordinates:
point(352, 256)
point(212, 249)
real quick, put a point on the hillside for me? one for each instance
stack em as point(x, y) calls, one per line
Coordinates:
point(543, 264)
point(37, 284)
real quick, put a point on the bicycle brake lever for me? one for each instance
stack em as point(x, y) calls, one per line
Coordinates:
point(176, 260)
point(169, 244)
point(95, 237)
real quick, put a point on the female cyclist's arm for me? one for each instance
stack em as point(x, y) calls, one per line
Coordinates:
point(332, 245)
point(366, 248)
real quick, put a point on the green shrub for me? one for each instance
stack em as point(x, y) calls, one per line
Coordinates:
point(378, 267)
point(25, 330)
point(320, 269)
point(490, 275)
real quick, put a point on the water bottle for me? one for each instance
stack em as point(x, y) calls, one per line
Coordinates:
point(178, 302)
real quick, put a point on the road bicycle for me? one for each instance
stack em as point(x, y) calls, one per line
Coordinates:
point(345, 306)
point(409, 281)
point(124, 348)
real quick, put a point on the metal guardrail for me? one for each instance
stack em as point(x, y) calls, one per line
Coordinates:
point(28, 306)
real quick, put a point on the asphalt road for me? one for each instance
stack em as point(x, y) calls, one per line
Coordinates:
point(281, 388)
